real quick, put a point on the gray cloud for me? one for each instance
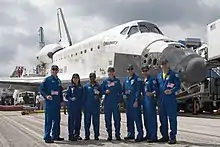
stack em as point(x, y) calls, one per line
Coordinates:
point(19, 24)
point(28, 18)
point(162, 12)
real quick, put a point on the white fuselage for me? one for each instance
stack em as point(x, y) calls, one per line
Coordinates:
point(97, 53)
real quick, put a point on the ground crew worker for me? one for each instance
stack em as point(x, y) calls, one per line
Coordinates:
point(132, 92)
point(91, 106)
point(149, 105)
point(74, 96)
point(168, 84)
point(51, 90)
point(112, 90)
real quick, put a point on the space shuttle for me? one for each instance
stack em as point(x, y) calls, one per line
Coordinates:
point(137, 42)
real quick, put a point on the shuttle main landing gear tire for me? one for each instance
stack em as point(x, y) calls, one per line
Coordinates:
point(189, 107)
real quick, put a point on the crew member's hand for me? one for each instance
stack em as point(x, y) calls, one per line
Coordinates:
point(168, 91)
point(107, 91)
point(49, 97)
point(135, 104)
point(150, 94)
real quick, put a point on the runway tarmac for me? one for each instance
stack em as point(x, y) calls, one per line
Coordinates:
point(18, 130)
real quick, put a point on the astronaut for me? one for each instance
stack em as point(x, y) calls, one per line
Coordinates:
point(51, 90)
point(91, 106)
point(132, 92)
point(168, 84)
point(149, 105)
point(112, 90)
point(74, 96)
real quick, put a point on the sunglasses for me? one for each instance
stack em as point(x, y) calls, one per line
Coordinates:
point(144, 70)
point(54, 69)
point(130, 69)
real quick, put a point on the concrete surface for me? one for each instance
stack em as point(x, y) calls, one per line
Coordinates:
point(27, 131)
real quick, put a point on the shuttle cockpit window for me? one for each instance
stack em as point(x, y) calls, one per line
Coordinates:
point(133, 30)
point(148, 27)
point(124, 31)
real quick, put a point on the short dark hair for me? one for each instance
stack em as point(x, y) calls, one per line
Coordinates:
point(145, 67)
point(130, 66)
point(92, 75)
point(54, 67)
point(111, 69)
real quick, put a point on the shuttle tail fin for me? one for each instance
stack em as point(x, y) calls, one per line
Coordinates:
point(41, 37)
point(63, 30)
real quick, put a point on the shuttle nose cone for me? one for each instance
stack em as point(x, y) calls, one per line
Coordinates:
point(196, 70)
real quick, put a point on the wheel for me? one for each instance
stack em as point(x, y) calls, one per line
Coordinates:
point(102, 110)
point(189, 107)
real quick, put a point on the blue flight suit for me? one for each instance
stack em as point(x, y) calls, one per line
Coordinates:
point(74, 108)
point(167, 103)
point(91, 107)
point(132, 90)
point(52, 86)
point(111, 102)
point(149, 107)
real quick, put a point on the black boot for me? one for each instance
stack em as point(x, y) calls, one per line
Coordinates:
point(172, 141)
point(151, 140)
point(118, 138)
point(87, 138)
point(163, 139)
point(49, 141)
point(109, 138)
point(128, 137)
point(96, 138)
point(138, 139)
point(58, 139)
point(72, 139)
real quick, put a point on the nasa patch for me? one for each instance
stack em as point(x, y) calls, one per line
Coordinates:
point(154, 81)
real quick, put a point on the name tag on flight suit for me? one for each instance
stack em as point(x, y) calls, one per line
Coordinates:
point(54, 92)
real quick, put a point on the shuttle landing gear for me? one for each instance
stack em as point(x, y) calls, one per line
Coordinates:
point(193, 106)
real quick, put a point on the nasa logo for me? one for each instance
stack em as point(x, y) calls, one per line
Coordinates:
point(110, 43)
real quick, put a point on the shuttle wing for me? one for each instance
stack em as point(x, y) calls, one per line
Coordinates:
point(33, 83)
point(27, 84)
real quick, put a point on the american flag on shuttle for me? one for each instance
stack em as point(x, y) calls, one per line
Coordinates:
point(170, 85)
point(111, 84)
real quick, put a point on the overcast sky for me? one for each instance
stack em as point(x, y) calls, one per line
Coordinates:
point(20, 20)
